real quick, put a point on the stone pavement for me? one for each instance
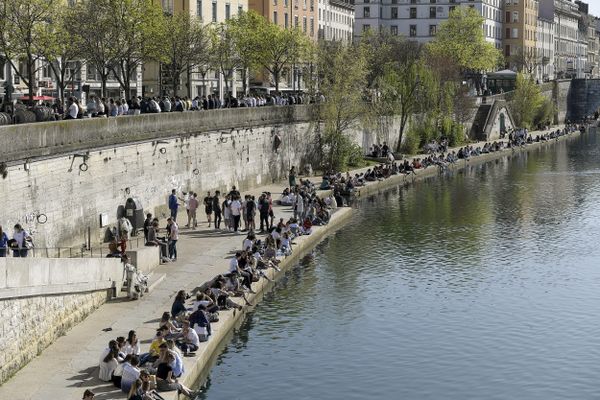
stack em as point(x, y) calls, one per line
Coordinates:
point(69, 366)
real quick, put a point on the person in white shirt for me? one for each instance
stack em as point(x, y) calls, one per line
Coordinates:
point(130, 373)
point(132, 345)
point(125, 106)
point(189, 341)
point(22, 240)
point(73, 109)
point(236, 210)
point(109, 361)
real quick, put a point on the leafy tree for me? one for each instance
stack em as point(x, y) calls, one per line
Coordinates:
point(404, 92)
point(525, 61)
point(22, 32)
point(138, 24)
point(461, 40)
point(244, 30)
point(525, 102)
point(92, 23)
point(343, 70)
point(226, 58)
point(187, 45)
point(61, 49)
point(278, 47)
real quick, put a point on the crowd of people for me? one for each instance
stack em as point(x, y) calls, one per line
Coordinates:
point(20, 243)
point(182, 329)
point(96, 106)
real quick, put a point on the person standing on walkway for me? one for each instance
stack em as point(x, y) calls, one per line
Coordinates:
point(3, 242)
point(263, 209)
point(216, 207)
point(22, 241)
point(292, 178)
point(208, 208)
point(173, 238)
point(193, 204)
point(173, 205)
point(236, 212)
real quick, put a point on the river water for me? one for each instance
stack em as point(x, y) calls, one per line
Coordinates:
point(482, 284)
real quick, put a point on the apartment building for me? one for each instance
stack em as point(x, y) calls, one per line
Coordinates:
point(419, 19)
point(545, 49)
point(336, 20)
point(301, 14)
point(520, 34)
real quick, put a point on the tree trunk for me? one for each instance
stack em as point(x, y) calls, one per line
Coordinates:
point(276, 77)
point(244, 83)
point(403, 120)
point(30, 78)
point(189, 82)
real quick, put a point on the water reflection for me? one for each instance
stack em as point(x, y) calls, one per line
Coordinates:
point(477, 284)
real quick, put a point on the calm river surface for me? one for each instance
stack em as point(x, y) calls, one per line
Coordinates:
point(484, 284)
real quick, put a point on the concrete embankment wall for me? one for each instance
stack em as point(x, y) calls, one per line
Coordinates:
point(74, 171)
point(40, 299)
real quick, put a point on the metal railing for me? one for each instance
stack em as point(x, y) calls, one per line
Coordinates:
point(68, 252)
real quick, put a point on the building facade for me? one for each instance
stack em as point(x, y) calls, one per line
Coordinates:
point(520, 34)
point(419, 19)
point(301, 14)
point(336, 20)
point(545, 49)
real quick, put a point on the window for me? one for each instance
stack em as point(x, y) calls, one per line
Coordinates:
point(413, 12)
point(274, 2)
point(507, 51)
point(432, 1)
point(394, 1)
point(413, 31)
point(304, 24)
point(275, 17)
point(296, 21)
point(432, 30)
point(227, 11)
point(199, 8)
point(394, 12)
point(515, 33)
point(394, 30)
point(304, 4)
point(240, 10)
point(515, 16)
point(214, 11)
point(312, 5)
point(451, 9)
point(285, 20)
point(413, 1)
point(312, 26)
point(367, 12)
point(366, 27)
point(507, 36)
point(432, 12)
point(2, 69)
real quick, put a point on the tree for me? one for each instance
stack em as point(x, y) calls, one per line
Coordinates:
point(61, 50)
point(138, 23)
point(243, 28)
point(461, 40)
point(92, 23)
point(187, 45)
point(22, 31)
point(278, 47)
point(525, 101)
point(225, 53)
point(343, 70)
point(525, 61)
point(404, 92)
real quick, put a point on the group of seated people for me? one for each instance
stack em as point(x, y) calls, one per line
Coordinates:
point(379, 150)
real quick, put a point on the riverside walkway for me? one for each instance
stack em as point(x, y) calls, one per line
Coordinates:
point(69, 366)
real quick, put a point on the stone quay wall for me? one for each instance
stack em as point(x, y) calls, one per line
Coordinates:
point(71, 172)
point(41, 299)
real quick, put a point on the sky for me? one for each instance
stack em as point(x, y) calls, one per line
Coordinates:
point(594, 7)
